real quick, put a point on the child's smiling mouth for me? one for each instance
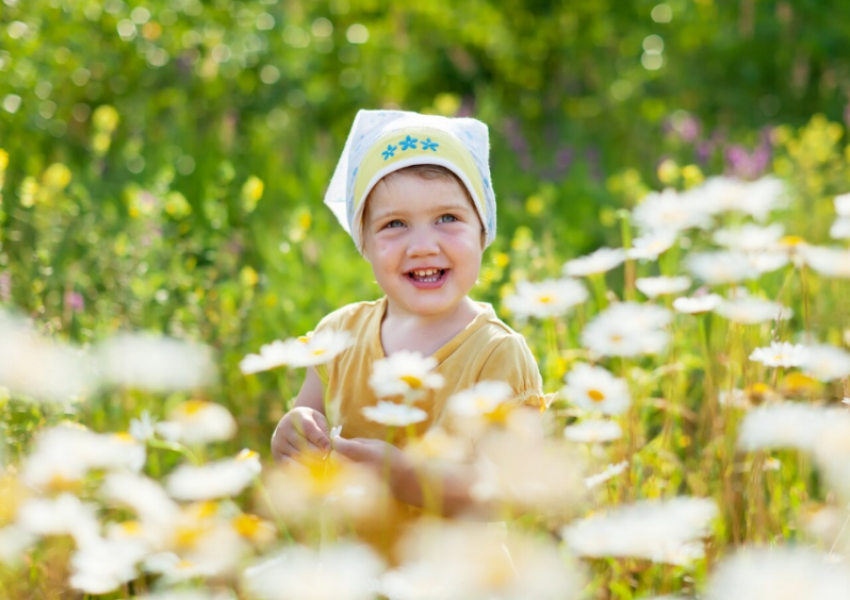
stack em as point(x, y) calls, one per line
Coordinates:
point(427, 278)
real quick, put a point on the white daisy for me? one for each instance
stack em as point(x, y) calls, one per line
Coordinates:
point(767, 262)
point(842, 205)
point(596, 389)
point(840, 229)
point(669, 212)
point(627, 329)
point(720, 267)
point(63, 515)
point(64, 455)
point(405, 374)
point(305, 351)
point(37, 367)
point(155, 363)
point(548, 298)
point(225, 478)
point(780, 354)
point(103, 566)
point(198, 422)
point(665, 531)
point(826, 363)
point(651, 245)
point(341, 572)
point(483, 398)
point(778, 572)
point(609, 473)
point(787, 425)
point(601, 261)
point(145, 496)
point(657, 286)
point(832, 262)
point(394, 415)
point(750, 311)
point(757, 198)
point(595, 431)
point(749, 237)
point(14, 543)
point(696, 305)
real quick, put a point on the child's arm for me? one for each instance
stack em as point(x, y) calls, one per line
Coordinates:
point(454, 485)
point(304, 428)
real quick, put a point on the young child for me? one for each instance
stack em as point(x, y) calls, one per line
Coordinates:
point(414, 192)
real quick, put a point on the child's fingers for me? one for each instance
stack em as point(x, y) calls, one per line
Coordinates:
point(350, 449)
point(315, 435)
point(299, 438)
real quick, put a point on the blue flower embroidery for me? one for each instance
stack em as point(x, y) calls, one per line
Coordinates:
point(429, 145)
point(390, 151)
point(408, 143)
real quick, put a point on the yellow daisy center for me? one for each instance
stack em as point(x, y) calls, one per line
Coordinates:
point(247, 525)
point(193, 406)
point(414, 382)
point(596, 395)
point(547, 299)
point(319, 351)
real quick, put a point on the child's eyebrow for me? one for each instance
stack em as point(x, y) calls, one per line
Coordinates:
point(441, 208)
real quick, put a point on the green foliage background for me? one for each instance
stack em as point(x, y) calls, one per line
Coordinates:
point(167, 159)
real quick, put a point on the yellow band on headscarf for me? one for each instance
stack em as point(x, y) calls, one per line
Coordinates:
point(415, 146)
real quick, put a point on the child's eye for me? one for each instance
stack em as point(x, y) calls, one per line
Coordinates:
point(447, 219)
point(394, 223)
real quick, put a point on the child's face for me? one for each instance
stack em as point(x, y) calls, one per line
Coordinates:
point(423, 239)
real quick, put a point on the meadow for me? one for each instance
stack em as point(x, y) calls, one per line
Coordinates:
point(673, 218)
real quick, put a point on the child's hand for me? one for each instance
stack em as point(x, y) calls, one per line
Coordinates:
point(300, 430)
point(375, 453)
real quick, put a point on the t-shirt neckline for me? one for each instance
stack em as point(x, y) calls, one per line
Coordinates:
point(446, 349)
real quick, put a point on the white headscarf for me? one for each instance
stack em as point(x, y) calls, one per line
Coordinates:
point(384, 141)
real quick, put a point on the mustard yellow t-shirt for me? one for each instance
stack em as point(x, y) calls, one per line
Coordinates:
point(486, 350)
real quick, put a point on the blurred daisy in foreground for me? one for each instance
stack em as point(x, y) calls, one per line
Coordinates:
point(349, 493)
point(780, 354)
point(750, 311)
point(664, 531)
point(756, 198)
point(596, 389)
point(768, 261)
point(105, 565)
point(658, 286)
point(600, 261)
point(548, 298)
point(773, 573)
point(222, 479)
point(696, 305)
point(787, 425)
point(394, 415)
point(627, 329)
point(651, 245)
point(524, 473)
point(37, 367)
point(198, 422)
point(305, 351)
point(341, 572)
point(63, 515)
point(595, 431)
point(484, 400)
point(831, 262)
point(720, 267)
point(145, 496)
point(669, 212)
point(64, 455)
point(156, 363)
point(749, 237)
point(840, 229)
point(404, 373)
point(826, 363)
point(474, 561)
point(609, 473)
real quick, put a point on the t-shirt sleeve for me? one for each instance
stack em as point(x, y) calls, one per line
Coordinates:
point(512, 362)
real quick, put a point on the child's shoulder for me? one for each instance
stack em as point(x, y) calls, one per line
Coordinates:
point(352, 316)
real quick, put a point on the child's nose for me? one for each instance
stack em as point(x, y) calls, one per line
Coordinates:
point(423, 242)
